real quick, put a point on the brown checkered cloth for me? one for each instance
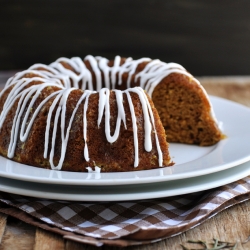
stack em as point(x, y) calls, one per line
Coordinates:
point(124, 223)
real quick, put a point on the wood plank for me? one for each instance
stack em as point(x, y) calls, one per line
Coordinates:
point(3, 222)
point(236, 89)
point(231, 225)
point(71, 245)
point(47, 241)
point(18, 235)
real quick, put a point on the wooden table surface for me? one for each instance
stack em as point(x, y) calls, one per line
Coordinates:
point(233, 224)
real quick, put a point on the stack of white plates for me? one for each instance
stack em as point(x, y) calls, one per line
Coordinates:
point(196, 169)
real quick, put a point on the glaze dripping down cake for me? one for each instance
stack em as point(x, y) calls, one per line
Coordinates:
point(76, 114)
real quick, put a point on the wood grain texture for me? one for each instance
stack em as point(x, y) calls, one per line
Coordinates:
point(18, 235)
point(208, 37)
point(3, 222)
point(232, 225)
point(236, 89)
point(47, 241)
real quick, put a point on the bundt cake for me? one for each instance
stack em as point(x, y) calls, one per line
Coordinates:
point(75, 114)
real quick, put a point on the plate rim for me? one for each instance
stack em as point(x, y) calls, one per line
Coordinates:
point(161, 190)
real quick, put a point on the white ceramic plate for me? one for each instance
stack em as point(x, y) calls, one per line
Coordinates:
point(191, 161)
point(125, 192)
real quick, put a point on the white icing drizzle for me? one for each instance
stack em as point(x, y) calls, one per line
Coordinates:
point(97, 170)
point(67, 81)
point(104, 104)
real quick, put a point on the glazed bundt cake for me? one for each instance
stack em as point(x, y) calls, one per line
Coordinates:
point(76, 114)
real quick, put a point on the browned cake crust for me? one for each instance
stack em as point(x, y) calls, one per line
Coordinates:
point(182, 104)
point(118, 156)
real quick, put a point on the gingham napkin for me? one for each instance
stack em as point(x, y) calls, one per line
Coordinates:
point(124, 223)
